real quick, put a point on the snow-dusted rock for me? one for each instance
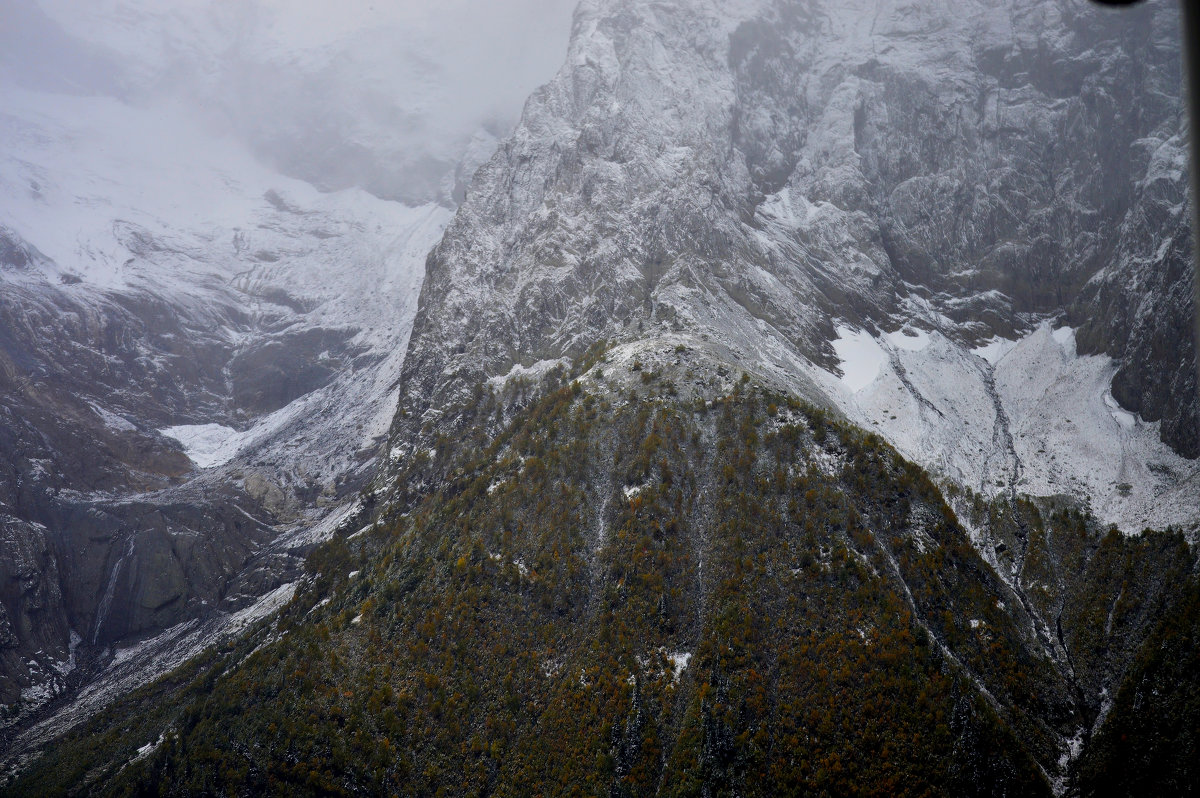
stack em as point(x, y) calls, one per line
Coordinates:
point(794, 185)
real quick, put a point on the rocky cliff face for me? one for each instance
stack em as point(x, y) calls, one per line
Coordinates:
point(960, 225)
point(95, 557)
point(181, 382)
point(208, 274)
point(772, 179)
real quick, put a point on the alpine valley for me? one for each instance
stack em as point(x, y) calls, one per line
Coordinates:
point(796, 397)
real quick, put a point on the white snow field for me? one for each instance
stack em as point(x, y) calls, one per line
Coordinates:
point(1030, 414)
point(290, 163)
point(130, 199)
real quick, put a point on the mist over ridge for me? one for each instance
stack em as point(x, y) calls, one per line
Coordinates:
point(393, 97)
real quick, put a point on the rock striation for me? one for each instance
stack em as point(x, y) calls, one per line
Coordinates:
point(768, 178)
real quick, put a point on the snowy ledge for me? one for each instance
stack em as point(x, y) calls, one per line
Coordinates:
point(208, 445)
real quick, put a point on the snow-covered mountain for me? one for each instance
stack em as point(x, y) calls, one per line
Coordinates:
point(204, 305)
point(159, 306)
point(962, 225)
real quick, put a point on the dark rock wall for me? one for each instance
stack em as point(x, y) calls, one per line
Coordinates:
point(999, 165)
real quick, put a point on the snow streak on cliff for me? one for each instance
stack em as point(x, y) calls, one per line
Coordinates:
point(935, 181)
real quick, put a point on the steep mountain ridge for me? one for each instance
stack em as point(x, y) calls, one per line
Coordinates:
point(619, 581)
point(777, 178)
point(959, 226)
point(173, 355)
point(203, 310)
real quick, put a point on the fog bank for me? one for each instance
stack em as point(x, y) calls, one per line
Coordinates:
point(389, 96)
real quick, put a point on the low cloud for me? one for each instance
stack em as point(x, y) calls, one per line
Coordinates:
point(385, 95)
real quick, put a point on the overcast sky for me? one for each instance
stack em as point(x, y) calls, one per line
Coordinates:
point(381, 93)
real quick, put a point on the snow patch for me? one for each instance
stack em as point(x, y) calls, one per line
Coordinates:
point(207, 445)
point(860, 357)
point(149, 748)
point(68, 665)
point(679, 661)
point(909, 339)
point(112, 420)
point(994, 350)
point(1065, 336)
point(266, 605)
point(532, 373)
point(1030, 415)
point(1120, 415)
